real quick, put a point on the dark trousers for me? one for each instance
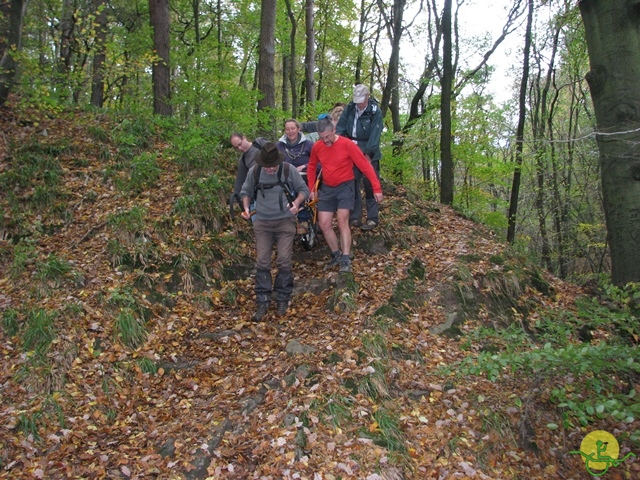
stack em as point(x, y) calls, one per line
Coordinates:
point(267, 233)
point(373, 210)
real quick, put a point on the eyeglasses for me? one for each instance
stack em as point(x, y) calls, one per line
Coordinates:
point(327, 138)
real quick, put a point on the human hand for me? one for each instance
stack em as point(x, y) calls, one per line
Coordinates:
point(378, 197)
point(246, 215)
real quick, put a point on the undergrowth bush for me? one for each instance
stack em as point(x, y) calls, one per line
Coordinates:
point(588, 361)
point(203, 205)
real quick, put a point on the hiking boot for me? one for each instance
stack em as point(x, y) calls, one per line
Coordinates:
point(260, 312)
point(356, 222)
point(281, 308)
point(345, 264)
point(369, 225)
point(335, 259)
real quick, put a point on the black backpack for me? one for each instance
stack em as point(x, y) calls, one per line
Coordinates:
point(284, 185)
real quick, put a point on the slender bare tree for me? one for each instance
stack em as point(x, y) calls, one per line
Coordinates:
point(8, 64)
point(161, 72)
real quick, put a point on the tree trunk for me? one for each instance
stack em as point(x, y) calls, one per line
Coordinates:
point(363, 22)
point(67, 26)
point(522, 112)
point(99, 56)
point(446, 159)
point(266, 62)
point(291, 67)
point(310, 53)
point(161, 72)
point(613, 42)
point(286, 62)
point(17, 9)
point(394, 30)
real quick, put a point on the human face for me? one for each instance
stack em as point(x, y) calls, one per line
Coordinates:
point(362, 105)
point(271, 170)
point(328, 137)
point(291, 130)
point(239, 144)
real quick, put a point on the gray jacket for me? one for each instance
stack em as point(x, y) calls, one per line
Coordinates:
point(272, 203)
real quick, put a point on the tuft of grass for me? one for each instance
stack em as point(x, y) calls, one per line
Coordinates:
point(336, 409)
point(375, 344)
point(129, 328)
point(343, 298)
point(374, 385)
point(23, 254)
point(39, 331)
point(147, 365)
point(128, 224)
point(390, 434)
point(130, 317)
point(53, 270)
point(10, 322)
point(28, 425)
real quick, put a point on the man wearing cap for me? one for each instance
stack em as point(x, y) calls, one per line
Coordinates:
point(361, 121)
point(274, 222)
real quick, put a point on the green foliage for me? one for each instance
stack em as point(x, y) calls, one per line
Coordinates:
point(133, 135)
point(143, 174)
point(203, 204)
point(194, 151)
point(587, 381)
point(336, 409)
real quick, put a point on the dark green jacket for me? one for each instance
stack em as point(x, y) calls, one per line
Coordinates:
point(368, 128)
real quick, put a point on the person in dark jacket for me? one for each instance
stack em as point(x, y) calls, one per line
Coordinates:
point(297, 149)
point(361, 121)
point(247, 160)
point(274, 222)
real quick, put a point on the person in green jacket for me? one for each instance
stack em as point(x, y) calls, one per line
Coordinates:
point(361, 121)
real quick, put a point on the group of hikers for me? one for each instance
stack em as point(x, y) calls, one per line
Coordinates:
point(271, 184)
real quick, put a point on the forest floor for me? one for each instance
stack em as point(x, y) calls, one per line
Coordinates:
point(357, 381)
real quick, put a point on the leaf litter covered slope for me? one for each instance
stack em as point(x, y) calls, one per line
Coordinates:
point(234, 399)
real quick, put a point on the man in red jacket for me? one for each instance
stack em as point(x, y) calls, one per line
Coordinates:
point(337, 156)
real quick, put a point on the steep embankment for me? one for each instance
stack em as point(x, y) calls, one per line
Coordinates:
point(348, 385)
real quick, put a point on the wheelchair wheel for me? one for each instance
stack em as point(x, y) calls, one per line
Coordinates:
point(309, 239)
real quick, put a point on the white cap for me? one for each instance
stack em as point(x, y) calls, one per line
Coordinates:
point(360, 93)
